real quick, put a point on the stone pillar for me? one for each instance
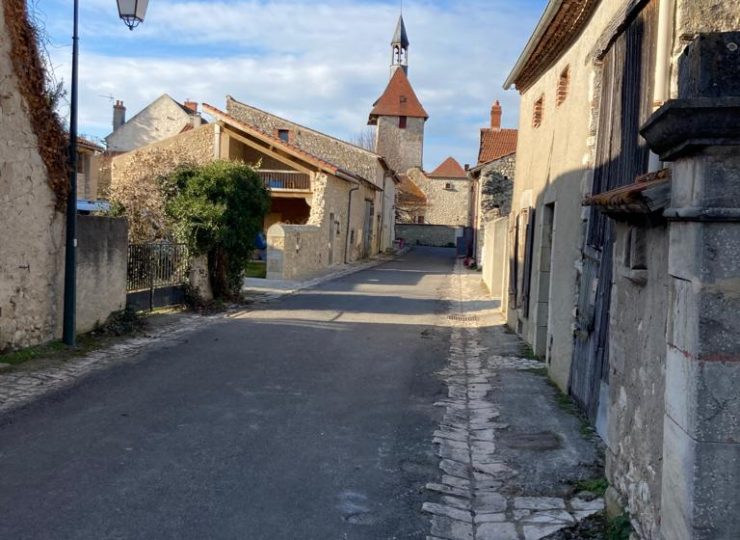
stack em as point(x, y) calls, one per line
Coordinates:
point(701, 447)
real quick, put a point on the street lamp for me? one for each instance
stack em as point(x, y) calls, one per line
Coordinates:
point(132, 12)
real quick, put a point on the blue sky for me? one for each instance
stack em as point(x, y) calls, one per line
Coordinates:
point(318, 63)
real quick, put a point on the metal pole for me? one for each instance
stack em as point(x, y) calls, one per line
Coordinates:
point(70, 259)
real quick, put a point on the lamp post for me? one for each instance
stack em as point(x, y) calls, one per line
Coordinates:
point(132, 13)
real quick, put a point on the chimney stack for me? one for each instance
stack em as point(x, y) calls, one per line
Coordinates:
point(496, 114)
point(192, 106)
point(119, 115)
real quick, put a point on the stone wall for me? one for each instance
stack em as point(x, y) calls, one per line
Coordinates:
point(637, 373)
point(294, 252)
point(102, 257)
point(495, 191)
point(403, 149)
point(497, 188)
point(446, 206)
point(428, 235)
point(31, 229)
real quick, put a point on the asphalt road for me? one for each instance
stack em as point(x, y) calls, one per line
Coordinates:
point(309, 418)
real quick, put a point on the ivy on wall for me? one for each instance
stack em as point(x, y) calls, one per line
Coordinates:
point(32, 81)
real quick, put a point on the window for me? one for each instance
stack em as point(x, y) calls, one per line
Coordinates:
point(284, 135)
point(420, 220)
point(449, 186)
point(538, 111)
point(563, 85)
point(402, 122)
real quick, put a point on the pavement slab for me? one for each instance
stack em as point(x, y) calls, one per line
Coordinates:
point(524, 453)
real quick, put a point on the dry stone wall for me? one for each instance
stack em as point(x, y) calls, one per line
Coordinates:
point(31, 229)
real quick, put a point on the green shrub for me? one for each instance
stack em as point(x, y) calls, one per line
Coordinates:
point(217, 210)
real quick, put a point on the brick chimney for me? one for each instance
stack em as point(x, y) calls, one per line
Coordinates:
point(119, 115)
point(192, 106)
point(496, 114)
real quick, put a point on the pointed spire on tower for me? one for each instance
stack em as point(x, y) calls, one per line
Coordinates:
point(400, 47)
point(401, 37)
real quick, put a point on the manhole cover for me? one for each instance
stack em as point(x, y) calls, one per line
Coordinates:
point(463, 318)
point(546, 440)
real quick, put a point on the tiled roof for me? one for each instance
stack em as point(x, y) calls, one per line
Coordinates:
point(409, 192)
point(88, 144)
point(449, 168)
point(272, 140)
point(399, 99)
point(649, 193)
point(496, 143)
point(560, 25)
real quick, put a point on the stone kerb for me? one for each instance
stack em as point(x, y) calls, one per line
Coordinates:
point(294, 252)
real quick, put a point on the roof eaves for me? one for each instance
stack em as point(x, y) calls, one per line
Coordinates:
point(547, 17)
point(275, 141)
point(301, 126)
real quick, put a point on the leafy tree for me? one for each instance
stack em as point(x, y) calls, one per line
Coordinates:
point(217, 210)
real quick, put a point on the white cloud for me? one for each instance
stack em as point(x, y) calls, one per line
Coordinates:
point(321, 64)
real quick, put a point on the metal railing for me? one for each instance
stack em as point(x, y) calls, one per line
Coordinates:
point(288, 180)
point(151, 266)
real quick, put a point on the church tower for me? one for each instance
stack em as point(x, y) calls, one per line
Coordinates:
point(398, 113)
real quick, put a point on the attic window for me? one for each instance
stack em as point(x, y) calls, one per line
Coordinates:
point(403, 99)
point(537, 113)
point(284, 135)
point(402, 122)
point(563, 86)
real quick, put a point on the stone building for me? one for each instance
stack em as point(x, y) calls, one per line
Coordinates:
point(398, 114)
point(89, 155)
point(327, 213)
point(494, 179)
point(618, 296)
point(363, 163)
point(448, 192)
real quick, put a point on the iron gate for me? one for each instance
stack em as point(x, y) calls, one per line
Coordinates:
point(156, 275)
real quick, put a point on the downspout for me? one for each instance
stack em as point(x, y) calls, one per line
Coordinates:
point(661, 94)
point(349, 220)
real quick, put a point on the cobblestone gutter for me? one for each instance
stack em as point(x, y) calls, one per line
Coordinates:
point(470, 501)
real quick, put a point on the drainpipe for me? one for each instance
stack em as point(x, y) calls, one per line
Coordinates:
point(349, 221)
point(661, 94)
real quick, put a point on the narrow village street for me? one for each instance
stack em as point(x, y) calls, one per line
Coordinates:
point(358, 409)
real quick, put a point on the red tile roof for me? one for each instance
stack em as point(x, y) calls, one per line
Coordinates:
point(632, 197)
point(449, 168)
point(399, 99)
point(496, 143)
